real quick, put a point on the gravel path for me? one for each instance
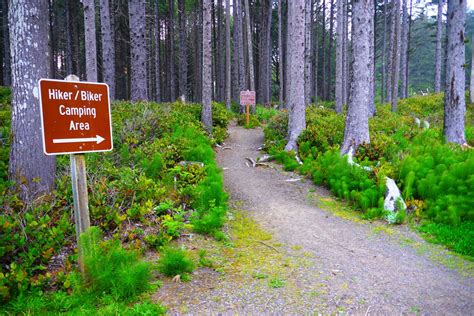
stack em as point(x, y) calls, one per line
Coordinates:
point(351, 266)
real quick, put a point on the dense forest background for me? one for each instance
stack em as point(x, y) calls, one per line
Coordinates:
point(174, 53)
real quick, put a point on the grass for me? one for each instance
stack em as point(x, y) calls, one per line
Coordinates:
point(458, 239)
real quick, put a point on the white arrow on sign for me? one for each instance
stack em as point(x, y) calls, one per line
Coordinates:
point(98, 139)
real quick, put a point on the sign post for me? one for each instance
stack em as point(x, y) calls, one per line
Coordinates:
point(75, 119)
point(247, 98)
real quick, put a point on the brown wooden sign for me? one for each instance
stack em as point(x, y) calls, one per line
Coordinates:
point(247, 97)
point(75, 117)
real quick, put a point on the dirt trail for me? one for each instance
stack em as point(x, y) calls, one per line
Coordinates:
point(351, 266)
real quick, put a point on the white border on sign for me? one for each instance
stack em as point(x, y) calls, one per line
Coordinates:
point(42, 121)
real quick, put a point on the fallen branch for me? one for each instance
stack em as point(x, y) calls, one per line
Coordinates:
point(265, 244)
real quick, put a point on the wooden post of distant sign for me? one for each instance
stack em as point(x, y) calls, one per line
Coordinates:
point(247, 98)
point(79, 191)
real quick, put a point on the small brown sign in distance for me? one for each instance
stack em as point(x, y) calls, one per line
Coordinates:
point(75, 117)
point(247, 97)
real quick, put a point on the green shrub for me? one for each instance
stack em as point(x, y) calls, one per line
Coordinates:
point(174, 261)
point(112, 269)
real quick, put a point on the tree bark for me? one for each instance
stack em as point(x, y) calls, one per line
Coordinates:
point(108, 47)
point(171, 73)
point(323, 54)
point(157, 54)
point(249, 46)
point(136, 12)
point(329, 89)
point(240, 41)
point(339, 55)
point(471, 85)
point(7, 71)
point(183, 56)
point(384, 54)
point(404, 52)
point(395, 55)
point(307, 53)
point(296, 99)
point(280, 54)
point(90, 40)
point(371, 100)
point(345, 53)
point(356, 131)
point(388, 83)
point(438, 53)
point(32, 171)
point(227, 56)
point(206, 114)
point(454, 95)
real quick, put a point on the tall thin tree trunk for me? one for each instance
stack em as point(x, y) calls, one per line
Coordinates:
point(356, 130)
point(171, 65)
point(69, 49)
point(52, 41)
point(227, 56)
point(7, 72)
point(395, 55)
point(389, 67)
point(315, 59)
point(329, 57)
point(407, 69)
point(183, 56)
point(157, 53)
point(339, 55)
point(90, 40)
point(438, 57)
point(136, 12)
point(345, 53)
point(296, 101)
point(383, 85)
point(206, 114)
point(307, 53)
point(268, 54)
point(454, 95)
point(280, 53)
point(32, 171)
point(471, 85)
point(249, 46)
point(240, 42)
point(323, 54)
point(108, 47)
point(404, 51)
point(371, 100)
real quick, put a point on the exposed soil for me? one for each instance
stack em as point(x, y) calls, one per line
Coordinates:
point(299, 251)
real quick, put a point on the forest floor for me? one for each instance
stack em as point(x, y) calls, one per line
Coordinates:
point(295, 250)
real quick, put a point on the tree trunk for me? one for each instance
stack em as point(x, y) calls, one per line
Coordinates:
point(108, 48)
point(31, 170)
point(52, 42)
point(339, 55)
point(249, 46)
point(136, 12)
point(157, 54)
point(296, 100)
point(329, 92)
point(7, 71)
point(206, 114)
point(395, 55)
point(307, 53)
point(383, 85)
point(227, 56)
point(315, 59)
point(438, 57)
point(280, 54)
point(471, 85)
point(323, 54)
point(356, 131)
point(389, 66)
point(407, 69)
point(404, 52)
point(371, 100)
point(454, 95)
point(171, 73)
point(90, 40)
point(345, 53)
point(69, 49)
point(183, 56)
point(198, 72)
point(240, 41)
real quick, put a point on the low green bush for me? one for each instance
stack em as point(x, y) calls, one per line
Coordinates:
point(111, 269)
point(174, 261)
